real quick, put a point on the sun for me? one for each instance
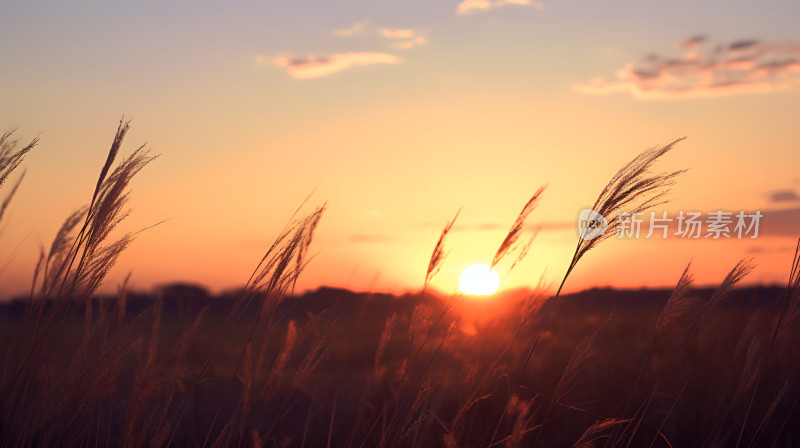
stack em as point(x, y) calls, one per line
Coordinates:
point(478, 280)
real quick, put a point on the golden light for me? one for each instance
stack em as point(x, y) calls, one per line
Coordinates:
point(479, 280)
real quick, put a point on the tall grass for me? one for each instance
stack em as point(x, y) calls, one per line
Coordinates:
point(262, 368)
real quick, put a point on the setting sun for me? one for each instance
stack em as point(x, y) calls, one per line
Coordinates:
point(478, 280)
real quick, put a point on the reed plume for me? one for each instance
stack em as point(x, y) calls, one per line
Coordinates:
point(438, 254)
point(510, 242)
point(594, 432)
point(386, 335)
point(793, 288)
point(10, 156)
point(10, 159)
point(634, 189)
point(10, 195)
point(89, 251)
point(787, 312)
point(734, 276)
point(679, 303)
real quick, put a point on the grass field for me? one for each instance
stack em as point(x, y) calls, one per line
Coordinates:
point(261, 367)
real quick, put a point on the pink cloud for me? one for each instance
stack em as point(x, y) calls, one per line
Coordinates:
point(402, 38)
point(410, 43)
point(316, 67)
point(747, 66)
point(353, 30)
point(692, 43)
point(391, 33)
point(405, 38)
point(472, 6)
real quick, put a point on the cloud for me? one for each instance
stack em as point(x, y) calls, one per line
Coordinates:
point(473, 6)
point(406, 38)
point(391, 33)
point(409, 44)
point(403, 38)
point(745, 66)
point(781, 222)
point(692, 43)
point(353, 30)
point(317, 67)
point(783, 196)
point(765, 250)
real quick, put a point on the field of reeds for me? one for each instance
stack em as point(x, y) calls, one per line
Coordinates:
point(262, 367)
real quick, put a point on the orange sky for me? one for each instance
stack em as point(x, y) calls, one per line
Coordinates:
point(398, 114)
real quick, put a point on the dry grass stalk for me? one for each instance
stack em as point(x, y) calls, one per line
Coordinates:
point(52, 265)
point(386, 334)
point(793, 288)
point(10, 195)
point(787, 312)
point(522, 251)
point(438, 254)
point(634, 189)
point(589, 437)
point(770, 411)
point(416, 415)
point(583, 355)
point(275, 271)
point(420, 321)
point(89, 250)
point(521, 409)
point(275, 274)
point(59, 280)
point(734, 276)
point(281, 361)
point(310, 363)
point(10, 156)
point(679, 303)
point(750, 371)
point(510, 242)
point(106, 212)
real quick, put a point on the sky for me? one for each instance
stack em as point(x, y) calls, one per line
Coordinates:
point(398, 115)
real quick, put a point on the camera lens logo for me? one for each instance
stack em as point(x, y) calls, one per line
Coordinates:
point(591, 224)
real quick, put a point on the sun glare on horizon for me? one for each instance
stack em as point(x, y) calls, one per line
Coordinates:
point(479, 280)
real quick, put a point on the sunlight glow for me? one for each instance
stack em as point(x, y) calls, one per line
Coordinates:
point(478, 280)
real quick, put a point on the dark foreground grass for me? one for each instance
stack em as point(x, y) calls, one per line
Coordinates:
point(332, 393)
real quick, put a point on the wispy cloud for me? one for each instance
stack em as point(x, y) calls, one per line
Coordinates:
point(397, 33)
point(317, 66)
point(781, 222)
point(766, 250)
point(783, 196)
point(352, 30)
point(404, 38)
point(745, 66)
point(409, 44)
point(473, 6)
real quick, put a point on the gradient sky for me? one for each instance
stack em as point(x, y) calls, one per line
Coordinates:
point(398, 114)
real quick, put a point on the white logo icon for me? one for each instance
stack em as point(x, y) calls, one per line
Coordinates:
point(591, 224)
